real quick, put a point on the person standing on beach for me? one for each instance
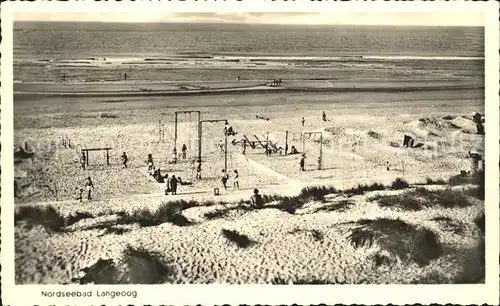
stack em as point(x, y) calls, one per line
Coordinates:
point(238, 78)
point(236, 183)
point(89, 185)
point(79, 195)
point(184, 150)
point(82, 160)
point(302, 163)
point(324, 116)
point(303, 121)
point(173, 184)
point(150, 162)
point(124, 159)
point(224, 179)
point(167, 184)
point(125, 76)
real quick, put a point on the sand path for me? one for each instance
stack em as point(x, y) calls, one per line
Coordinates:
point(291, 188)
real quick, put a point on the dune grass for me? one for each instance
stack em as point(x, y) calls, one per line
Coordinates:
point(144, 267)
point(398, 238)
point(316, 235)
point(136, 266)
point(242, 241)
point(316, 193)
point(455, 226)
point(363, 188)
point(339, 206)
point(47, 216)
point(480, 223)
point(170, 212)
point(399, 183)
point(421, 198)
point(476, 178)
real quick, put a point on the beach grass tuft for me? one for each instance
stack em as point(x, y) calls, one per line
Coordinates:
point(399, 183)
point(242, 241)
point(421, 198)
point(46, 216)
point(398, 238)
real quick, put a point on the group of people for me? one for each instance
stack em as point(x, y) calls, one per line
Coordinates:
point(88, 187)
point(276, 82)
point(302, 162)
point(323, 117)
point(478, 120)
point(225, 179)
point(228, 130)
point(171, 182)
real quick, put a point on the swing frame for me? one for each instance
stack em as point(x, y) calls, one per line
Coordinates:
point(176, 126)
point(200, 133)
point(320, 167)
point(87, 150)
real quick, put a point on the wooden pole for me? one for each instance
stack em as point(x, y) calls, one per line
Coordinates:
point(286, 142)
point(321, 151)
point(303, 142)
point(159, 130)
point(199, 136)
point(199, 140)
point(175, 136)
point(225, 153)
point(107, 157)
point(267, 143)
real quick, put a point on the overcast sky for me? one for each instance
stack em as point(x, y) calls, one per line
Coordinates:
point(412, 19)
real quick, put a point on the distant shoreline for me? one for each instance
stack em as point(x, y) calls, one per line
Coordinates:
point(251, 90)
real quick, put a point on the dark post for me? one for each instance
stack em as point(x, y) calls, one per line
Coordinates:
point(267, 140)
point(87, 157)
point(286, 142)
point(225, 152)
point(303, 142)
point(321, 151)
point(175, 135)
point(199, 139)
point(107, 156)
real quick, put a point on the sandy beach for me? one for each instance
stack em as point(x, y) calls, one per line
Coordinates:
point(364, 131)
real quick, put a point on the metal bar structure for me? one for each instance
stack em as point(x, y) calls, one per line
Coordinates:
point(175, 126)
point(320, 162)
point(267, 141)
point(286, 142)
point(251, 143)
point(260, 142)
point(86, 152)
point(200, 133)
point(225, 153)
